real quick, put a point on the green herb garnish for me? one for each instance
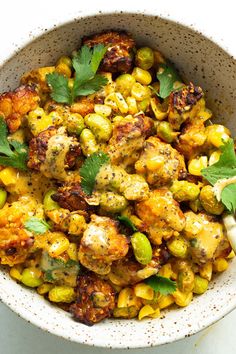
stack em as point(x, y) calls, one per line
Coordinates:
point(86, 63)
point(161, 284)
point(36, 225)
point(90, 169)
point(127, 222)
point(224, 169)
point(12, 152)
point(168, 77)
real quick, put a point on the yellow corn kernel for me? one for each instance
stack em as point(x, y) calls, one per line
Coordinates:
point(154, 163)
point(214, 157)
point(146, 272)
point(102, 109)
point(165, 301)
point(77, 224)
point(145, 311)
point(62, 294)
point(166, 271)
point(142, 76)
point(44, 288)
point(140, 92)
point(220, 265)
point(231, 255)
point(217, 134)
point(132, 105)
point(59, 246)
point(9, 176)
point(110, 101)
point(64, 69)
point(182, 299)
point(204, 113)
point(200, 285)
point(157, 109)
point(121, 103)
point(38, 120)
point(196, 165)
point(55, 118)
point(206, 271)
point(15, 273)
point(156, 314)
point(144, 291)
point(128, 298)
point(125, 312)
point(72, 251)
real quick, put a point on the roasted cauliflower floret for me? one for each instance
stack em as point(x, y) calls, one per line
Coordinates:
point(127, 139)
point(184, 104)
point(95, 300)
point(119, 56)
point(159, 163)
point(38, 77)
point(52, 152)
point(207, 238)
point(102, 244)
point(15, 104)
point(191, 141)
point(161, 214)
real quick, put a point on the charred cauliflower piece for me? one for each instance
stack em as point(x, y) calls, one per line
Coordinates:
point(161, 215)
point(95, 300)
point(207, 238)
point(52, 152)
point(119, 56)
point(102, 244)
point(159, 163)
point(184, 104)
point(191, 141)
point(128, 138)
point(15, 104)
point(38, 77)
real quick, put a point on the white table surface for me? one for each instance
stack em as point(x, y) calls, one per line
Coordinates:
point(18, 18)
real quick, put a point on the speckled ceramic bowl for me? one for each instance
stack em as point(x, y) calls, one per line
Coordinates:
point(206, 64)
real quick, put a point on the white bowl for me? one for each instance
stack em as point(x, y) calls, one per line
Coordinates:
point(199, 60)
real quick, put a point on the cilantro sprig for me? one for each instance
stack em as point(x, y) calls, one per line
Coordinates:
point(167, 76)
point(12, 152)
point(85, 63)
point(161, 284)
point(221, 171)
point(36, 225)
point(90, 169)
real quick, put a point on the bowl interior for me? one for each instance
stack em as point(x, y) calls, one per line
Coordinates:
point(199, 60)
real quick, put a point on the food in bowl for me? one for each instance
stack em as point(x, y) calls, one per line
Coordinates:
point(114, 183)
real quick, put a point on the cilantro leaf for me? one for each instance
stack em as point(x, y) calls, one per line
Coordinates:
point(167, 76)
point(127, 222)
point(36, 225)
point(224, 169)
point(12, 152)
point(60, 90)
point(161, 284)
point(85, 63)
point(90, 169)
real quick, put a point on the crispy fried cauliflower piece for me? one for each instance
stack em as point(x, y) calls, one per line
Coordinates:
point(161, 214)
point(207, 238)
point(159, 163)
point(102, 244)
point(15, 104)
point(52, 152)
point(184, 104)
point(127, 139)
point(38, 77)
point(95, 300)
point(119, 56)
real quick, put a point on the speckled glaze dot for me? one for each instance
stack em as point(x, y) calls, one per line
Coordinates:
point(199, 60)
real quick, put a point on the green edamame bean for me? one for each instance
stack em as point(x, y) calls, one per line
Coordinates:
point(100, 126)
point(184, 191)
point(3, 197)
point(165, 132)
point(112, 202)
point(75, 124)
point(178, 246)
point(142, 248)
point(48, 202)
point(144, 58)
point(124, 84)
point(31, 277)
point(88, 142)
point(209, 202)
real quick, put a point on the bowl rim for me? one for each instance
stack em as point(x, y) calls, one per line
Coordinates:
point(35, 34)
